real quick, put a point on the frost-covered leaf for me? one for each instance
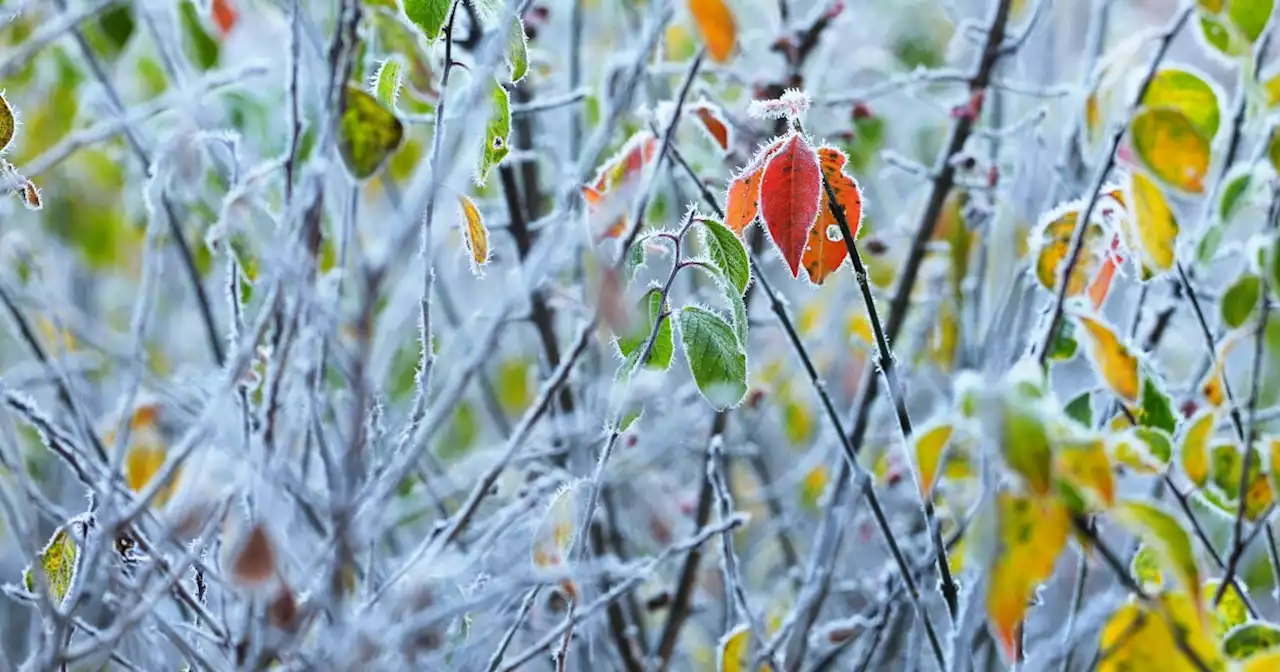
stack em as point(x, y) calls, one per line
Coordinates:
point(1085, 466)
point(1164, 535)
point(554, 535)
point(929, 445)
point(1171, 148)
point(57, 560)
point(1138, 639)
point(1025, 444)
point(711, 119)
point(496, 132)
point(717, 27)
point(475, 234)
point(517, 49)
point(1051, 242)
point(1111, 357)
point(1146, 569)
point(1230, 612)
point(8, 124)
point(717, 361)
point(827, 249)
point(1240, 300)
point(1249, 639)
point(789, 198)
point(1153, 227)
point(1188, 93)
point(1193, 446)
point(733, 650)
point(1080, 409)
point(1155, 409)
point(728, 253)
point(1032, 533)
point(368, 133)
point(386, 82)
point(632, 345)
point(428, 15)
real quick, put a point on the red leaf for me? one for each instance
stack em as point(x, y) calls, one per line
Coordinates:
point(611, 190)
point(789, 190)
point(713, 123)
point(224, 16)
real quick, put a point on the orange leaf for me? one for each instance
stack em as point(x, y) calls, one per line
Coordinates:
point(224, 16)
point(713, 123)
point(741, 205)
point(610, 190)
point(826, 249)
point(789, 190)
point(1102, 283)
point(716, 24)
point(1033, 533)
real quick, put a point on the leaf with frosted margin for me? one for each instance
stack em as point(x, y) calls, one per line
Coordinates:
point(711, 120)
point(929, 445)
point(1193, 446)
point(1140, 639)
point(1162, 532)
point(717, 361)
point(1188, 93)
point(8, 124)
point(476, 235)
point(1211, 386)
point(733, 297)
point(742, 202)
point(717, 27)
point(1127, 449)
point(1171, 148)
point(1146, 569)
point(1032, 533)
point(1111, 357)
point(368, 133)
point(386, 82)
point(496, 132)
point(554, 536)
point(631, 345)
point(57, 560)
point(1229, 613)
point(733, 652)
point(789, 197)
point(1226, 461)
point(1080, 409)
point(1247, 640)
point(1235, 194)
point(517, 49)
point(1154, 407)
point(1051, 242)
point(1086, 467)
point(826, 250)
point(727, 252)
point(428, 15)
point(1064, 345)
point(1152, 230)
point(1025, 444)
point(1240, 300)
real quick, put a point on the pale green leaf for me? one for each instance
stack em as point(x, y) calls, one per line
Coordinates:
point(717, 361)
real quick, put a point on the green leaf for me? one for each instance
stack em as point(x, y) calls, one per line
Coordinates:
point(633, 344)
point(1235, 194)
point(1209, 243)
point(368, 133)
point(1273, 265)
point(718, 363)
point(1146, 568)
point(58, 562)
point(727, 252)
point(1080, 409)
point(496, 133)
point(1248, 639)
point(1187, 93)
point(1166, 538)
point(517, 49)
point(112, 30)
point(428, 15)
point(1250, 16)
point(386, 83)
point(1155, 408)
point(1240, 300)
point(7, 123)
point(1064, 342)
point(1025, 445)
point(203, 47)
point(1159, 442)
point(635, 257)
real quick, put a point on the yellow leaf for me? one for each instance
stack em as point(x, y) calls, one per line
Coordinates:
point(1127, 449)
point(716, 24)
point(1086, 466)
point(1052, 242)
point(477, 236)
point(57, 560)
point(814, 484)
point(1135, 638)
point(733, 650)
point(1273, 461)
point(1230, 612)
point(928, 446)
point(1152, 226)
point(1171, 147)
point(1112, 359)
point(1264, 662)
point(1212, 384)
point(1162, 533)
point(1194, 446)
point(1188, 93)
point(1033, 532)
point(1272, 87)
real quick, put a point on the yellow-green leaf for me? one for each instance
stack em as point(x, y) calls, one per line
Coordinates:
point(517, 49)
point(368, 133)
point(733, 651)
point(386, 82)
point(57, 560)
point(1033, 532)
point(1025, 445)
point(428, 15)
point(496, 132)
point(1171, 148)
point(8, 124)
point(1263, 662)
point(717, 26)
point(477, 236)
point(1161, 531)
point(929, 445)
point(1230, 612)
point(1188, 93)
point(1139, 639)
point(1153, 226)
point(1111, 358)
point(1193, 447)
point(1086, 467)
point(1146, 569)
point(1240, 300)
point(1052, 241)
point(813, 485)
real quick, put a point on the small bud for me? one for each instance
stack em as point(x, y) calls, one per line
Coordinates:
point(1189, 408)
